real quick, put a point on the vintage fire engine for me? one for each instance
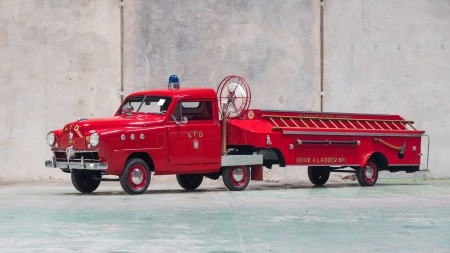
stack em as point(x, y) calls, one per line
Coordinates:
point(198, 132)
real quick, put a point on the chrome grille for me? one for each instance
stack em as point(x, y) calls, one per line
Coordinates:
point(88, 156)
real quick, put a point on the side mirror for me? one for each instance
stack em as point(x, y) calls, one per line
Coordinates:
point(184, 120)
point(127, 109)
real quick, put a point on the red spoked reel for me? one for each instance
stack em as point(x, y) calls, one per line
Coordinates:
point(235, 92)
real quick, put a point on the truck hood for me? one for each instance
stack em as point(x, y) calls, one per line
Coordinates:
point(85, 127)
point(77, 133)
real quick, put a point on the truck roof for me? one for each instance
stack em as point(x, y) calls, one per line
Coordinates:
point(185, 93)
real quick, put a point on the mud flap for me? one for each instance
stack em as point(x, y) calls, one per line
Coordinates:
point(256, 172)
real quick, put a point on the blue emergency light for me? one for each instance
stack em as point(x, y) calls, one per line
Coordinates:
point(173, 82)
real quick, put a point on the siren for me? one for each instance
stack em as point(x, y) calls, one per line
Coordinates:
point(173, 83)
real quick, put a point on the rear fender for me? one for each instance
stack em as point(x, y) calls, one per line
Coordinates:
point(381, 159)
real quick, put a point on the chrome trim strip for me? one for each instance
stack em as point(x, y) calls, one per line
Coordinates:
point(76, 151)
point(78, 160)
point(348, 134)
point(76, 165)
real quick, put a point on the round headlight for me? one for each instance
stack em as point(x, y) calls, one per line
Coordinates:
point(51, 138)
point(94, 139)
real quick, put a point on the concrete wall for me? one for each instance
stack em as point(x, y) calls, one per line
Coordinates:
point(274, 45)
point(59, 62)
point(392, 57)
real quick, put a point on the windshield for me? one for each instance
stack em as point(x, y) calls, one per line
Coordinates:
point(145, 104)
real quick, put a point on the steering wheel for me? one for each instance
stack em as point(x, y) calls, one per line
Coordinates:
point(173, 117)
point(162, 112)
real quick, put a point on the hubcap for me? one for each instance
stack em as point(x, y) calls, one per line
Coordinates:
point(369, 171)
point(137, 176)
point(238, 174)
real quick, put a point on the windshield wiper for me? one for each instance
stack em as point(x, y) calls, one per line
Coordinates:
point(137, 110)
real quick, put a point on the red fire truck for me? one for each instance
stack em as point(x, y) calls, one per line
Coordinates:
point(199, 133)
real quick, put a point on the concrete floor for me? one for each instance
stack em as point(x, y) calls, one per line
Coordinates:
point(393, 216)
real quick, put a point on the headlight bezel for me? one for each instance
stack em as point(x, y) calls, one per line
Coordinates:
point(51, 138)
point(94, 139)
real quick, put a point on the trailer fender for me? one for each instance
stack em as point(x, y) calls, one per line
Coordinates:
point(381, 159)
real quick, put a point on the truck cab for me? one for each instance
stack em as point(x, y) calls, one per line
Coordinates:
point(167, 131)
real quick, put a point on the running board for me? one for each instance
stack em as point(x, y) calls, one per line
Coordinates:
point(235, 160)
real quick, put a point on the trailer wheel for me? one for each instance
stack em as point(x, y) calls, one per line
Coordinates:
point(135, 177)
point(368, 174)
point(189, 181)
point(236, 178)
point(84, 182)
point(318, 175)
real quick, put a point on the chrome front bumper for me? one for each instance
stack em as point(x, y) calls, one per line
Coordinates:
point(76, 165)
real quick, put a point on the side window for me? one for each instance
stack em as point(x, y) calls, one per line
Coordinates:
point(193, 111)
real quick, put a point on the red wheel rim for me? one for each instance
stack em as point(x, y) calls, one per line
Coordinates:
point(137, 177)
point(238, 175)
point(370, 172)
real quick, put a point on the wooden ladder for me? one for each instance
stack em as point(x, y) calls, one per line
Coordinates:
point(299, 122)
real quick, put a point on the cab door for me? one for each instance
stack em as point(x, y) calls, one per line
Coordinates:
point(196, 141)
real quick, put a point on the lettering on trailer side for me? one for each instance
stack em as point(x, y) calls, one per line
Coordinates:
point(321, 160)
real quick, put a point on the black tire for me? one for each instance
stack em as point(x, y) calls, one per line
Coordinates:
point(84, 182)
point(368, 174)
point(236, 178)
point(189, 181)
point(135, 177)
point(318, 175)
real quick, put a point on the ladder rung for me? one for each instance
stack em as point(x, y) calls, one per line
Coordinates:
point(342, 124)
point(396, 126)
point(323, 123)
point(387, 125)
point(304, 123)
point(361, 124)
point(273, 121)
point(333, 123)
point(284, 122)
point(379, 125)
point(370, 125)
point(294, 122)
point(352, 124)
point(412, 126)
point(314, 123)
